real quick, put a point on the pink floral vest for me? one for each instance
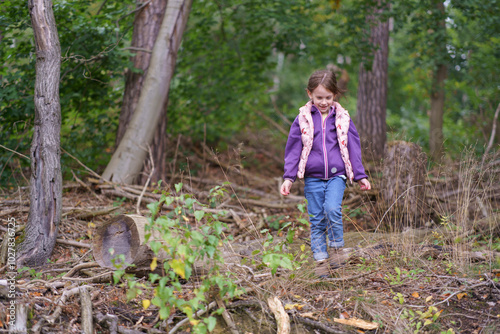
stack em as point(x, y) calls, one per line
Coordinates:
point(342, 122)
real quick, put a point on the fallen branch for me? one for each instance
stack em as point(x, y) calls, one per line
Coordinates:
point(86, 313)
point(226, 316)
point(86, 213)
point(73, 243)
point(86, 186)
point(196, 315)
point(319, 325)
point(60, 303)
point(20, 326)
point(79, 267)
point(280, 314)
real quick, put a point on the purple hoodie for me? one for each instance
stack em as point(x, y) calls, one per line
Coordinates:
point(324, 161)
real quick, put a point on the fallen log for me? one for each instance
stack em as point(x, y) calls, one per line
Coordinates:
point(122, 235)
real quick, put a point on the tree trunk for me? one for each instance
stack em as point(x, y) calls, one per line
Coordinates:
point(372, 92)
point(46, 179)
point(438, 94)
point(128, 159)
point(146, 26)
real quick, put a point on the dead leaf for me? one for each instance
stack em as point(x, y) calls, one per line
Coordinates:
point(415, 295)
point(461, 295)
point(309, 315)
point(428, 299)
point(344, 315)
point(292, 306)
point(355, 322)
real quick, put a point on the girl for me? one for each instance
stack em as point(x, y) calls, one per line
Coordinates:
point(323, 147)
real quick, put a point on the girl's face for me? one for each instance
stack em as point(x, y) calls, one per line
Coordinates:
point(322, 98)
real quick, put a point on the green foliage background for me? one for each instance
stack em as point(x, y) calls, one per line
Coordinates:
point(239, 56)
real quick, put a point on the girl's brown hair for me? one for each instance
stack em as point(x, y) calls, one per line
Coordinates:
point(326, 78)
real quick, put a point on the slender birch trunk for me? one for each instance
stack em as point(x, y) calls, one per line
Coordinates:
point(128, 159)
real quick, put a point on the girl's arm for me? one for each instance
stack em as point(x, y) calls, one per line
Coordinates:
point(293, 150)
point(354, 147)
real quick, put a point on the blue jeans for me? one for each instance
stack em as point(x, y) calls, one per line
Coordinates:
point(324, 205)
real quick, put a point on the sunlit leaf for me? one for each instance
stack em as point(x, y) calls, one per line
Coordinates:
point(146, 303)
point(154, 263)
point(178, 267)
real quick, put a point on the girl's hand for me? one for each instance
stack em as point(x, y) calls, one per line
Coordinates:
point(364, 184)
point(285, 187)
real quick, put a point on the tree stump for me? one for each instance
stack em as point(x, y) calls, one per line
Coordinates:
point(125, 235)
point(403, 184)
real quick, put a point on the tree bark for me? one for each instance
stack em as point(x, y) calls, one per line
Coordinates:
point(438, 94)
point(46, 179)
point(372, 91)
point(146, 27)
point(128, 159)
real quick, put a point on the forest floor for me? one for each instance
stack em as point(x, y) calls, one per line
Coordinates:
point(439, 278)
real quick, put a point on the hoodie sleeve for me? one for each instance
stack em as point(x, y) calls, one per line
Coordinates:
point(354, 147)
point(293, 150)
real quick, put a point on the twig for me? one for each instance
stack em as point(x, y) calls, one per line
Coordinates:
point(90, 212)
point(397, 199)
point(73, 243)
point(101, 7)
point(492, 137)
point(61, 301)
point(138, 209)
point(175, 156)
point(335, 279)
point(324, 328)
point(196, 315)
point(101, 278)
point(79, 267)
point(269, 119)
point(20, 154)
point(452, 295)
point(81, 163)
point(137, 49)
point(86, 186)
point(226, 316)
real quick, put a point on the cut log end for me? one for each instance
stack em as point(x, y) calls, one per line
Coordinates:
point(123, 235)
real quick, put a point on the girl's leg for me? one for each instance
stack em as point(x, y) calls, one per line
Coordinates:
point(333, 209)
point(314, 191)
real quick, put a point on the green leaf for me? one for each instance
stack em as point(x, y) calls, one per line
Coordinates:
point(211, 322)
point(199, 214)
